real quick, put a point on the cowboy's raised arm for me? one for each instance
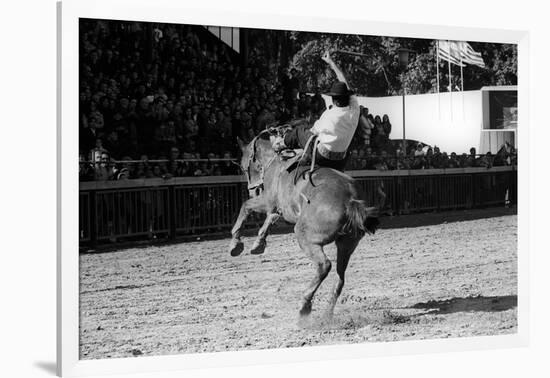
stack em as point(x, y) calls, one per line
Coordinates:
point(339, 74)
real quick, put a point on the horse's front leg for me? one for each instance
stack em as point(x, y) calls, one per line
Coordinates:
point(259, 245)
point(236, 246)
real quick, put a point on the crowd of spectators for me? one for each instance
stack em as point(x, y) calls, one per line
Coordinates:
point(426, 157)
point(160, 92)
point(372, 148)
point(166, 101)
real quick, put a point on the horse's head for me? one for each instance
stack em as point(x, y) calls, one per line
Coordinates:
point(256, 157)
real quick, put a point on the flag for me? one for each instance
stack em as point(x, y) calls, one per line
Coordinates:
point(448, 51)
point(469, 56)
point(459, 53)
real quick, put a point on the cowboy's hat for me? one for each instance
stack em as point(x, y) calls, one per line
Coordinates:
point(339, 89)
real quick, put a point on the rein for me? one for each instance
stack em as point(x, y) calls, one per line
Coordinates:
point(312, 140)
point(252, 158)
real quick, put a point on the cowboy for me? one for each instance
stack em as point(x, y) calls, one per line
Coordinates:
point(334, 129)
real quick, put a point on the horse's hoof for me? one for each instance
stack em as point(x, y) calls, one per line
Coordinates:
point(258, 248)
point(306, 309)
point(236, 248)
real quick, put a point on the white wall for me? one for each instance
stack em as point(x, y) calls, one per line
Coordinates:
point(430, 118)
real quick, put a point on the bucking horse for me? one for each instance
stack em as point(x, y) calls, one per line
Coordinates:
point(325, 206)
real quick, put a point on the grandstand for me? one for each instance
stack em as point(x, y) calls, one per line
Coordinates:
point(163, 100)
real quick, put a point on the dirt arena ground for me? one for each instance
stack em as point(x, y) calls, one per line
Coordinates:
point(451, 279)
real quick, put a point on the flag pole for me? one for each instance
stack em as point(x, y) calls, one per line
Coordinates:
point(462, 84)
point(437, 70)
point(450, 83)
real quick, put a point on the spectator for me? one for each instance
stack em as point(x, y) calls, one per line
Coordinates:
point(471, 160)
point(463, 160)
point(436, 158)
point(103, 169)
point(393, 163)
point(126, 171)
point(370, 159)
point(86, 171)
point(95, 117)
point(382, 162)
point(429, 159)
point(403, 161)
point(453, 161)
point(352, 162)
point(365, 128)
point(418, 161)
point(419, 152)
point(190, 126)
point(227, 167)
point(157, 172)
point(486, 161)
point(386, 125)
point(247, 131)
point(443, 161)
point(380, 136)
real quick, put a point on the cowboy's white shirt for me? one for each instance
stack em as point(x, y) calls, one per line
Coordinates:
point(337, 125)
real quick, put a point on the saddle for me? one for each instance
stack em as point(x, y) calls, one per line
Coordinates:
point(296, 158)
point(290, 158)
point(300, 161)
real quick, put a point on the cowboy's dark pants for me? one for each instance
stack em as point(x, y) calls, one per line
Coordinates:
point(298, 137)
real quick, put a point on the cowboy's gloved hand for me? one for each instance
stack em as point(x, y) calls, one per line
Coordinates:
point(277, 143)
point(326, 57)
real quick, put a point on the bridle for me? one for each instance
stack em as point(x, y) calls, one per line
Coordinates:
point(256, 186)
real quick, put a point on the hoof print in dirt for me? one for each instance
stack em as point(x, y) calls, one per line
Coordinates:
point(389, 317)
point(136, 352)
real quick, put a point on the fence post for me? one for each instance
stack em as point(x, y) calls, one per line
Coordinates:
point(514, 175)
point(474, 194)
point(397, 193)
point(393, 194)
point(172, 211)
point(438, 180)
point(93, 217)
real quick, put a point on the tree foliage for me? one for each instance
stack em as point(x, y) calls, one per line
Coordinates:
point(378, 72)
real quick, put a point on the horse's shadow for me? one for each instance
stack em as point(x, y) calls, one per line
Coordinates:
point(393, 316)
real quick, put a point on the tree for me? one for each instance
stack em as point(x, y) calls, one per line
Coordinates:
point(372, 73)
point(378, 73)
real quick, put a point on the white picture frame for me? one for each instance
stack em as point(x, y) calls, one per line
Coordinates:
point(176, 12)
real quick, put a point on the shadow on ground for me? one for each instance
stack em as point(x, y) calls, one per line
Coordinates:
point(382, 317)
point(470, 304)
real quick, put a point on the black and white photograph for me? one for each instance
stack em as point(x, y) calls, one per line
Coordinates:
point(276, 189)
point(245, 189)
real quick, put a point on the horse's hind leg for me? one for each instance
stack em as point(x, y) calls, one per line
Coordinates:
point(259, 244)
point(345, 246)
point(322, 265)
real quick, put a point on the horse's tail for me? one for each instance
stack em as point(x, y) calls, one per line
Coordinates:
point(360, 219)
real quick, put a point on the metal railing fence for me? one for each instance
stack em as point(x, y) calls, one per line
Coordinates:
point(150, 208)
